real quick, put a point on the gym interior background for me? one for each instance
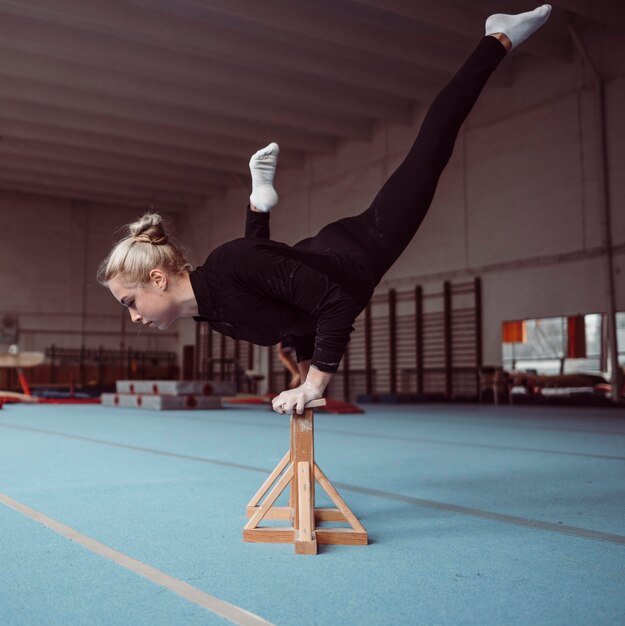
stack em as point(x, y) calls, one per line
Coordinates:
point(512, 291)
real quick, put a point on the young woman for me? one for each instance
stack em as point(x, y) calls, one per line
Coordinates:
point(263, 291)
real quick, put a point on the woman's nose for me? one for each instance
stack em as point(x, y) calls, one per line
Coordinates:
point(135, 317)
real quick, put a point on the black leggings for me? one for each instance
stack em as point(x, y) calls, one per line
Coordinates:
point(382, 232)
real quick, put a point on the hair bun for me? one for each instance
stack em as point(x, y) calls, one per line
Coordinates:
point(134, 263)
point(149, 229)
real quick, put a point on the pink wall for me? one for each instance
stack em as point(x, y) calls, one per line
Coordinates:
point(49, 253)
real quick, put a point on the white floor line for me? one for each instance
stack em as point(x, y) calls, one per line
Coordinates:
point(219, 607)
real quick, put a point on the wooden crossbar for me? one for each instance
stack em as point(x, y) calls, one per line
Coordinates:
point(298, 471)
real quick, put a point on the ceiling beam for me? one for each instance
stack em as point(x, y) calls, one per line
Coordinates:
point(146, 151)
point(69, 169)
point(306, 25)
point(100, 51)
point(127, 22)
point(145, 166)
point(198, 108)
point(39, 104)
point(466, 20)
point(145, 195)
point(68, 193)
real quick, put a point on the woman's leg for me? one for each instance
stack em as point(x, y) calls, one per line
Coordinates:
point(401, 205)
point(382, 232)
point(286, 356)
point(397, 211)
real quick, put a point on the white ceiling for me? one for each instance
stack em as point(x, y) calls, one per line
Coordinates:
point(161, 102)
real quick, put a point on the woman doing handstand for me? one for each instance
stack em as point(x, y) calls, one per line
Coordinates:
point(262, 291)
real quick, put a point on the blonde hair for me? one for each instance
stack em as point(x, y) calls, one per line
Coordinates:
point(145, 246)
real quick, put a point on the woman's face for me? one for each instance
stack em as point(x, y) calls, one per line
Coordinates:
point(150, 304)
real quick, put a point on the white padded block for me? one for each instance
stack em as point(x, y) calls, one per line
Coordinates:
point(160, 402)
point(178, 387)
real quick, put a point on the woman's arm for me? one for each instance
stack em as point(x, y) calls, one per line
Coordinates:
point(272, 275)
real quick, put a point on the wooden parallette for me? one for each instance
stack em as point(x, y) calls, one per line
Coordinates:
point(298, 470)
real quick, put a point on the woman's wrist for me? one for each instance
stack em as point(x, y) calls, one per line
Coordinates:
point(317, 379)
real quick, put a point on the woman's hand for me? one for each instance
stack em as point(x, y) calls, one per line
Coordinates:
point(295, 399)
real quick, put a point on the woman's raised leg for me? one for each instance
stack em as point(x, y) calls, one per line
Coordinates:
point(395, 214)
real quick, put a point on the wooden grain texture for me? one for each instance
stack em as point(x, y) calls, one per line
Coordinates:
point(341, 536)
point(269, 535)
point(275, 512)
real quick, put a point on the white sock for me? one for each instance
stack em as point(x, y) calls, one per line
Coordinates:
point(263, 169)
point(518, 27)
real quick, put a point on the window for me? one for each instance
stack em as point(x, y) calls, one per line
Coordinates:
point(545, 345)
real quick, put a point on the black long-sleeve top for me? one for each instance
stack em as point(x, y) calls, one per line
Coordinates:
point(262, 291)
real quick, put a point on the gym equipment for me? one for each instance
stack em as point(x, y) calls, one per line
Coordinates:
point(160, 402)
point(163, 395)
point(298, 470)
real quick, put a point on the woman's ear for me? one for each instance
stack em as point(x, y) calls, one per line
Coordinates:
point(159, 278)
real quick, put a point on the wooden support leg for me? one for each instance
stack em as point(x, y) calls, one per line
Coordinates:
point(271, 498)
point(305, 536)
point(270, 480)
point(302, 451)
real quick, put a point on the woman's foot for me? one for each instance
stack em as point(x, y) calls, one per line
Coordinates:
point(263, 169)
point(517, 28)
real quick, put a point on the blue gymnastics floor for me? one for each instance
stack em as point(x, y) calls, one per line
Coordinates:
point(476, 515)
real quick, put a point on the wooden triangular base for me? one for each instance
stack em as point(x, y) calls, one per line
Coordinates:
point(294, 470)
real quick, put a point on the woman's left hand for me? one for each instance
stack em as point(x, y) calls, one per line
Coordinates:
point(295, 399)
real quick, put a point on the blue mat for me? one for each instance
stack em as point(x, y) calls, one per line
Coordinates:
point(476, 515)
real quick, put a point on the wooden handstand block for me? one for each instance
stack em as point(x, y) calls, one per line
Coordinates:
point(298, 471)
point(313, 404)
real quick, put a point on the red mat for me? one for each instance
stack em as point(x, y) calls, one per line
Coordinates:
point(6, 400)
point(68, 401)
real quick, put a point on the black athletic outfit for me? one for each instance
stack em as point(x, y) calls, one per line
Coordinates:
point(264, 291)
